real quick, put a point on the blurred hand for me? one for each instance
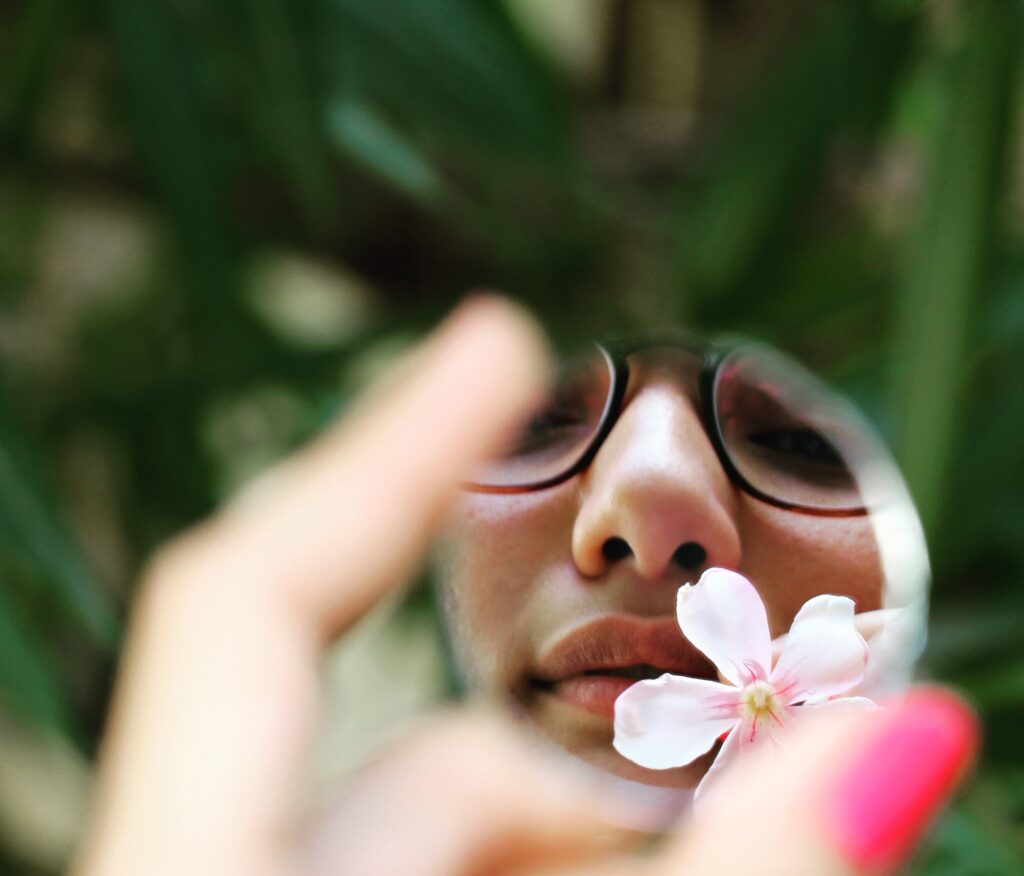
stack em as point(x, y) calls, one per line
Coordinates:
point(218, 691)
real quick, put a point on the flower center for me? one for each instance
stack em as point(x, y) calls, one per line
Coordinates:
point(759, 700)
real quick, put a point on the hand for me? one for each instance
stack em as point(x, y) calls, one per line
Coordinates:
point(870, 624)
point(218, 690)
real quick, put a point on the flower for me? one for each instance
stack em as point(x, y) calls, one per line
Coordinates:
point(672, 720)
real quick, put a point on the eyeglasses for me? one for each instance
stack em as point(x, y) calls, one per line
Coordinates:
point(779, 433)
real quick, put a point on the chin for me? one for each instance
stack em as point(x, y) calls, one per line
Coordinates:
point(589, 738)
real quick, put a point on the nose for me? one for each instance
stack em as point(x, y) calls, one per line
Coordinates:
point(656, 496)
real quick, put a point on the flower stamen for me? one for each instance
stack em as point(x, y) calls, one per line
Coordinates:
point(757, 701)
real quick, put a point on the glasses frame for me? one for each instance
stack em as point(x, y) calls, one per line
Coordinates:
point(712, 355)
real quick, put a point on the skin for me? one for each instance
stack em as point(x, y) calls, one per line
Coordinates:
point(204, 759)
point(521, 571)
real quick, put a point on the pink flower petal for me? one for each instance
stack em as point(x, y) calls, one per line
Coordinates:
point(672, 720)
point(724, 617)
point(824, 655)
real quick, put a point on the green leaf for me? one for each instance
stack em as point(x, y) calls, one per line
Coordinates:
point(762, 166)
point(29, 685)
point(950, 247)
point(43, 25)
point(770, 149)
point(181, 155)
point(30, 526)
point(286, 104)
point(962, 633)
point(454, 71)
point(966, 843)
point(366, 137)
point(1002, 687)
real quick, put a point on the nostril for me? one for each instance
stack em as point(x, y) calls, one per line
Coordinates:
point(615, 549)
point(690, 555)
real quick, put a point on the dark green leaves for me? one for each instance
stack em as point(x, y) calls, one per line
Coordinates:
point(43, 584)
point(952, 244)
point(30, 526)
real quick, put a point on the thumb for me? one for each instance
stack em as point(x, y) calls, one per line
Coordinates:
point(851, 794)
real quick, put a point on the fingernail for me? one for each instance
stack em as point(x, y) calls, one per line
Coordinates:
point(885, 799)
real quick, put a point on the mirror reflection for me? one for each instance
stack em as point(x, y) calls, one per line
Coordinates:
point(625, 570)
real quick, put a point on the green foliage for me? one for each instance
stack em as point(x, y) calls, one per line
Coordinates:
point(834, 78)
point(952, 244)
point(30, 527)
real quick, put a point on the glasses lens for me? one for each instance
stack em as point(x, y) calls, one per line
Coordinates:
point(557, 434)
point(789, 436)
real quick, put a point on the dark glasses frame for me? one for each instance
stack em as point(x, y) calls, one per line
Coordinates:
point(616, 352)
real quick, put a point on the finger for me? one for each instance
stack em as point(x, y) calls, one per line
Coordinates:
point(353, 513)
point(218, 682)
point(869, 624)
point(465, 795)
point(851, 794)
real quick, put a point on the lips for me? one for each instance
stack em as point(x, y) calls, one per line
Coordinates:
point(591, 666)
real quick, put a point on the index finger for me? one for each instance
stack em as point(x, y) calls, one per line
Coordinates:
point(219, 681)
point(332, 527)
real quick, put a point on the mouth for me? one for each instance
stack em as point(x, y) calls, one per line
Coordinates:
point(589, 668)
point(595, 691)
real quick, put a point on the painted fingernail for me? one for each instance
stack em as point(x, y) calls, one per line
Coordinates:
point(885, 799)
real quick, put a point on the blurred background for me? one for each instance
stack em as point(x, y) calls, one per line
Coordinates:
point(218, 217)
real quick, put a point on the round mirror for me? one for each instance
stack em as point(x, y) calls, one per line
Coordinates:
point(686, 546)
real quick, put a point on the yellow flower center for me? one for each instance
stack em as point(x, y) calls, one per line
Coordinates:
point(758, 700)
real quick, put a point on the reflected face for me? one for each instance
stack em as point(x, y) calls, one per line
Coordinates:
point(563, 597)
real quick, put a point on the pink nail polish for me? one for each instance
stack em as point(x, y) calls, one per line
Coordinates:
point(883, 802)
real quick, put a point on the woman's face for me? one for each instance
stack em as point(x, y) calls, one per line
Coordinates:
point(544, 591)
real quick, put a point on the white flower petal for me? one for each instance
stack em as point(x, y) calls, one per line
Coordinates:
point(824, 655)
point(854, 704)
point(724, 617)
point(743, 740)
point(736, 743)
point(672, 720)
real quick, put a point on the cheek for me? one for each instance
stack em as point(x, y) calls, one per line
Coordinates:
point(492, 556)
point(792, 557)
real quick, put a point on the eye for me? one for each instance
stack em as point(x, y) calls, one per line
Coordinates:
point(799, 443)
point(552, 426)
point(569, 416)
